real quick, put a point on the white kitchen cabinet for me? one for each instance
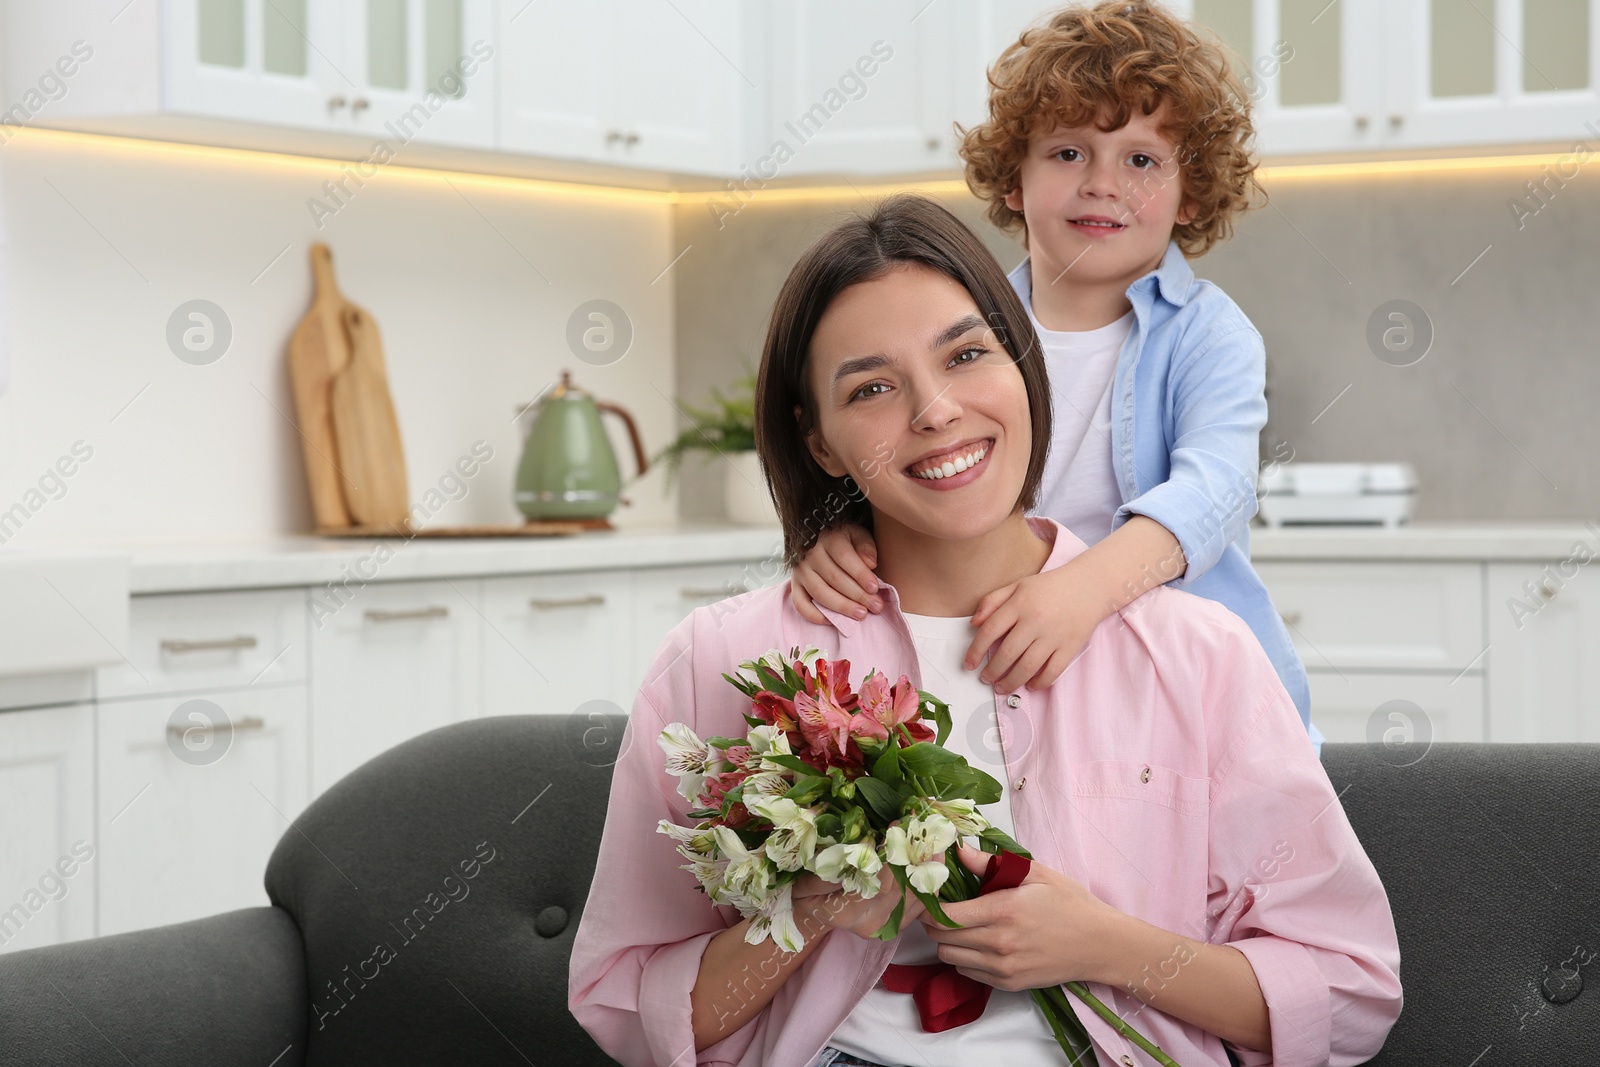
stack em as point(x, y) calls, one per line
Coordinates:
point(664, 597)
point(1413, 708)
point(189, 642)
point(553, 642)
point(352, 67)
point(274, 61)
point(1544, 670)
point(396, 660)
point(1480, 72)
point(1315, 71)
point(1423, 615)
point(1364, 75)
point(47, 836)
point(670, 86)
point(862, 89)
point(421, 70)
point(194, 793)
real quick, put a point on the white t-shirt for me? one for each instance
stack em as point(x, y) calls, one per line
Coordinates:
point(1079, 489)
point(884, 1027)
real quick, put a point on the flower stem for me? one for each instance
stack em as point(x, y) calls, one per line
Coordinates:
point(1074, 1042)
point(1081, 991)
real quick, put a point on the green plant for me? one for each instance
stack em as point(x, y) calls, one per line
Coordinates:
point(728, 424)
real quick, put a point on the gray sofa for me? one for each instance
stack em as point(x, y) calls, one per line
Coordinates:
point(466, 854)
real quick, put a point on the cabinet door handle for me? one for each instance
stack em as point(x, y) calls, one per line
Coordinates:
point(249, 722)
point(335, 103)
point(378, 615)
point(543, 603)
point(613, 136)
point(1548, 591)
point(359, 104)
point(707, 594)
point(1290, 618)
point(1362, 122)
point(242, 641)
point(631, 139)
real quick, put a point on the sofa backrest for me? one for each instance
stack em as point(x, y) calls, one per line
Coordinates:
point(438, 888)
point(1490, 855)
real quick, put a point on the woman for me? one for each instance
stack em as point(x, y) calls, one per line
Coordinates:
point(1191, 859)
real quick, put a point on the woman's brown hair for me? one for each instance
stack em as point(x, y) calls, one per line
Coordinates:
point(903, 229)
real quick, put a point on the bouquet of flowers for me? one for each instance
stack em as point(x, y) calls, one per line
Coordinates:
point(840, 783)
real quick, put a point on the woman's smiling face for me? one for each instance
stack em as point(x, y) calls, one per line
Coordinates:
point(908, 379)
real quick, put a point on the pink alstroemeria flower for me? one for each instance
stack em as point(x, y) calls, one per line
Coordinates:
point(825, 726)
point(884, 708)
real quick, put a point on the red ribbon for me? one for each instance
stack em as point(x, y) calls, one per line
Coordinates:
point(946, 998)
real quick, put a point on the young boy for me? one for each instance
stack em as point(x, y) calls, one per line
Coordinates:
point(1117, 143)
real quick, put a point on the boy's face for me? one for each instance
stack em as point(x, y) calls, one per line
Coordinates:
point(1100, 207)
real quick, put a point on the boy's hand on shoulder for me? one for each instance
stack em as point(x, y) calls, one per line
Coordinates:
point(836, 573)
point(1041, 623)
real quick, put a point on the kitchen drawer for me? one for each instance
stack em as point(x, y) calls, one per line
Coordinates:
point(1365, 706)
point(188, 814)
point(666, 595)
point(193, 641)
point(1421, 616)
point(554, 642)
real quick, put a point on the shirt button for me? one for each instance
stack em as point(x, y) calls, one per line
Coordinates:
point(1013, 700)
point(1144, 775)
point(1127, 1061)
point(1021, 782)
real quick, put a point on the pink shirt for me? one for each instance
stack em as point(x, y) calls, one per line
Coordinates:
point(1167, 770)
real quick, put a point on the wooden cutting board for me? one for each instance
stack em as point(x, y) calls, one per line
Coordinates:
point(365, 429)
point(319, 351)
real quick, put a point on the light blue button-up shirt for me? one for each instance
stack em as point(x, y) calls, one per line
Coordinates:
point(1187, 406)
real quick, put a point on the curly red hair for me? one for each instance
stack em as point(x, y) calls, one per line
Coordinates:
point(1095, 65)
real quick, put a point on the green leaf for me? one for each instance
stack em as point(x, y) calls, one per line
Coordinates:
point(941, 714)
point(883, 798)
point(887, 768)
point(994, 839)
point(924, 756)
point(891, 927)
point(931, 902)
point(795, 763)
point(808, 791)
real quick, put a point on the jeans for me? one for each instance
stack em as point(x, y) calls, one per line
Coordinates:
point(832, 1057)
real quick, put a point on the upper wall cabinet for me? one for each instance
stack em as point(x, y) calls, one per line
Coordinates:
point(859, 88)
point(1374, 75)
point(642, 83)
point(757, 90)
point(395, 70)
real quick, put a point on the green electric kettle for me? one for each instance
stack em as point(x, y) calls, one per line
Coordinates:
point(569, 469)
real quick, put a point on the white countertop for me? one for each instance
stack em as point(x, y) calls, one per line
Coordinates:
point(1549, 540)
point(312, 561)
point(172, 567)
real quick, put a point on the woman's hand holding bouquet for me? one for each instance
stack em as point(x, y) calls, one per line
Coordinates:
point(849, 796)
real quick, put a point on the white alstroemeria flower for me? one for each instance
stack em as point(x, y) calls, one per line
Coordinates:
point(793, 840)
point(768, 740)
point(776, 920)
point(710, 875)
point(773, 660)
point(855, 866)
point(694, 844)
point(748, 882)
point(687, 757)
point(963, 812)
point(919, 845)
point(765, 784)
